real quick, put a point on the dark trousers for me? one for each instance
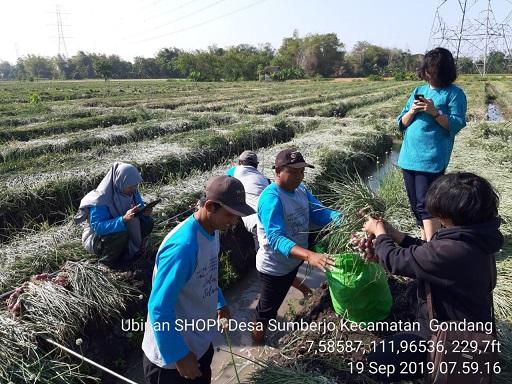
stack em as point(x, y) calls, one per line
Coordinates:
point(156, 375)
point(272, 293)
point(416, 185)
point(386, 355)
point(114, 247)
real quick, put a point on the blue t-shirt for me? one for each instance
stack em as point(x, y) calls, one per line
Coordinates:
point(427, 146)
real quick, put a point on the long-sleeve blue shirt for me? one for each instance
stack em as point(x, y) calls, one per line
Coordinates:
point(101, 221)
point(427, 146)
point(271, 215)
point(185, 286)
point(284, 221)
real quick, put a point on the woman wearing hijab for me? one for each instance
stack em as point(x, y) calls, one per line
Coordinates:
point(116, 227)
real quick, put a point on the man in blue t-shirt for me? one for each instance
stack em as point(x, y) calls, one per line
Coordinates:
point(286, 211)
point(185, 289)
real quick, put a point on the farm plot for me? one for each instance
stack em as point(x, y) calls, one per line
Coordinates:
point(177, 148)
point(332, 127)
point(47, 185)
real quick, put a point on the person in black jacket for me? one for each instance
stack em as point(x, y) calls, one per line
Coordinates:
point(458, 263)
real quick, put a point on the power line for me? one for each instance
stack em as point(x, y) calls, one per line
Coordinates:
point(202, 23)
point(187, 15)
point(177, 8)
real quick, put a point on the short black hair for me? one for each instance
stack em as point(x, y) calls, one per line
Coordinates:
point(203, 200)
point(462, 197)
point(247, 162)
point(440, 65)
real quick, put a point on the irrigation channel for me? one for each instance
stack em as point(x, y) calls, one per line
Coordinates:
point(243, 297)
point(494, 113)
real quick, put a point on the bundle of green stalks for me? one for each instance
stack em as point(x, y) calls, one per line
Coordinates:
point(503, 290)
point(22, 362)
point(51, 309)
point(398, 212)
point(505, 357)
point(272, 373)
point(356, 201)
point(108, 294)
point(60, 307)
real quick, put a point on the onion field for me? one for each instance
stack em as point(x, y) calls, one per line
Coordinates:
point(58, 139)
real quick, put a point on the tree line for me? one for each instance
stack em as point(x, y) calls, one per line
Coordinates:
point(314, 55)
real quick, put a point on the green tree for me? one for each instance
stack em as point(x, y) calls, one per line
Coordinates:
point(366, 59)
point(63, 68)
point(322, 54)
point(7, 71)
point(165, 59)
point(102, 66)
point(120, 69)
point(496, 62)
point(146, 68)
point(39, 66)
point(21, 71)
point(466, 65)
point(288, 55)
point(82, 66)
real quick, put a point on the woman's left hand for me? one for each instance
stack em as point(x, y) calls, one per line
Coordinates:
point(374, 227)
point(426, 105)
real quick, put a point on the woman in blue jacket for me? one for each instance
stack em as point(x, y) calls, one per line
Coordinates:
point(116, 227)
point(433, 115)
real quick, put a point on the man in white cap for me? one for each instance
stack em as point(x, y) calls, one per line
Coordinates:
point(254, 183)
point(185, 289)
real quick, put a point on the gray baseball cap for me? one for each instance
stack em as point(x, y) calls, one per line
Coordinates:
point(230, 193)
point(249, 156)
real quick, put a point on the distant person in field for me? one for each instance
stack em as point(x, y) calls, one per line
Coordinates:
point(433, 115)
point(254, 183)
point(457, 267)
point(116, 228)
point(286, 211)
point(185, 289)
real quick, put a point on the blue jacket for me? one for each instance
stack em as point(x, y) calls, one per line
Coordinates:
point(102, 222)
point(427, 146)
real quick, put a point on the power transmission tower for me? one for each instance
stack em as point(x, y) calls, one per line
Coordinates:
point(62, 50)
point(476, 32)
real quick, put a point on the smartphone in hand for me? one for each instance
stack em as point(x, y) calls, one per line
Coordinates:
point(148, 206)
point(419, 97)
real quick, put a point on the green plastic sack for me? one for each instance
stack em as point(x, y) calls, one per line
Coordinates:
point(359, 290)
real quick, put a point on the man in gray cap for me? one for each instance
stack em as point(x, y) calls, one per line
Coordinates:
point(254, 183)
point(185, 289)
point(286, 211)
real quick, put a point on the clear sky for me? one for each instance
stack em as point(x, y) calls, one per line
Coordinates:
point(132, 28)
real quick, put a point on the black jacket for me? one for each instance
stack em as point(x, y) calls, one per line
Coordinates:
point(458, 263)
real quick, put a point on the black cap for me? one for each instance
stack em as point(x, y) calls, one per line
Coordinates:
point(290, 158)
point(230, 193)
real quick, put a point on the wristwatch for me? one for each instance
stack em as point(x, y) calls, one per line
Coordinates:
point(439, 113)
